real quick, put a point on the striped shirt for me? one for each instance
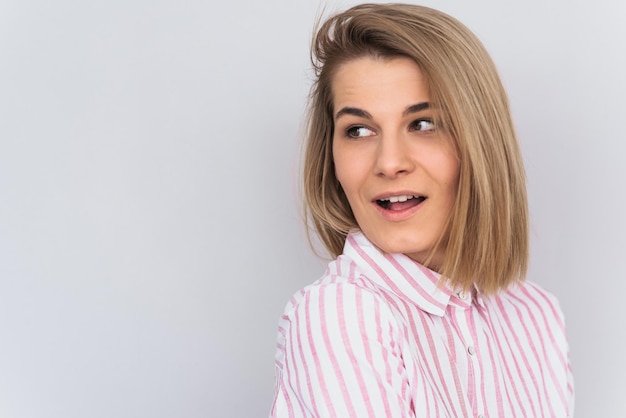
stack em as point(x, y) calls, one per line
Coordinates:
point(377, 337)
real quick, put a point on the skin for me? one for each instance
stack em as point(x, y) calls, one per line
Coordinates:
point(385, 145)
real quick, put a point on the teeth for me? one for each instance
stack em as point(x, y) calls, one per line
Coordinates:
point(401, 198)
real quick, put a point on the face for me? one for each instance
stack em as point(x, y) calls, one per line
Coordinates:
point(400, 175)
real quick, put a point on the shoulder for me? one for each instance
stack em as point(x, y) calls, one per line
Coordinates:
point(343, 283)
point(343, 299)
point(531, 306)
point(335, 334)
point(536, 320)
point(534, 296)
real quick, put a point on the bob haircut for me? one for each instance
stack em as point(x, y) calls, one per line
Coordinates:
point(486, 239)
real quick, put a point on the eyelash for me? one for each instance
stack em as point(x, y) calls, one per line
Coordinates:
point(350, 132)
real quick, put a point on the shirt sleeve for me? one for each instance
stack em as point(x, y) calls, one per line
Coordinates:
point(556, 332)
point(570, 382)
point(563, 348)
point(570, 389)
point(339, 355)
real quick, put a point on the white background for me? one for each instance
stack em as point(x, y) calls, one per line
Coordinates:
point(149, 225)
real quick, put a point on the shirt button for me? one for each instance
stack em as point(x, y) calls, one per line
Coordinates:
point(481, 416)
point(462, 295)
point(471, 351)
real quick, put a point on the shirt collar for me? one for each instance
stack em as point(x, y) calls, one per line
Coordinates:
point(399, 274)
point(465, 299)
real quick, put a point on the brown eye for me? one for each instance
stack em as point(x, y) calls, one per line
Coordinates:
point(359, 132)
point(423, 125)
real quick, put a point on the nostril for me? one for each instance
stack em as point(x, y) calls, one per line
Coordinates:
point(393, 164)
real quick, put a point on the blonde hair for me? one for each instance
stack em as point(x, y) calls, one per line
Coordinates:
point(487, 236)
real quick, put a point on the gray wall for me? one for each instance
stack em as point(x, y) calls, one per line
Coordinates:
point(149, 225)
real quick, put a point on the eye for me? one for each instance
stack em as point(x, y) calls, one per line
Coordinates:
point(359, 132)
point(422, 125)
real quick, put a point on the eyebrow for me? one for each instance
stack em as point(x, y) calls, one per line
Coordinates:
point(355, 111)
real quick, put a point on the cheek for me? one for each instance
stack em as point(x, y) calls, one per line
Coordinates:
point(342, 167)
point(455, 178)
point(451, 191)
point(450, 172)
point(452, 178)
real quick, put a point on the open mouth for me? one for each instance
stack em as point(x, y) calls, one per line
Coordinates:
point(401, 202)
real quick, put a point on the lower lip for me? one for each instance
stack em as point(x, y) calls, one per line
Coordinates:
point(398, 215)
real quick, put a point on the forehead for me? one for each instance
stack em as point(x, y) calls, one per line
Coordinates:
point(373, 80)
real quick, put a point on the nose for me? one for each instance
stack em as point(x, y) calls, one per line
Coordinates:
point(393, 157)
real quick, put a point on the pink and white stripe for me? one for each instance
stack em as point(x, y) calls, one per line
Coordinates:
point(376, 337)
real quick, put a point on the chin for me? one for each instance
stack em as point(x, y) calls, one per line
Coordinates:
point(402, 244)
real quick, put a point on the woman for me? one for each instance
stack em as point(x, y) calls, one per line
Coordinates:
point(414, 181)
